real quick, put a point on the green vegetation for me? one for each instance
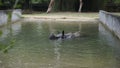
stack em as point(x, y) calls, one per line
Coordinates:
point(22, 4)
point(39, 1)
point(60, 5)
point(0, 32)
point(9, 16)
point(4, 47)
point(11, 44)
point(117, 1)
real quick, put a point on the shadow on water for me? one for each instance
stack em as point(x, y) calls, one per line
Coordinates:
point(96, 48)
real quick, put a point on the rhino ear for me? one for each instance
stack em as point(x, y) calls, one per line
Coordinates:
point(63, 32)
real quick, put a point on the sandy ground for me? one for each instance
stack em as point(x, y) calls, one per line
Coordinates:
point(62, 17)
point(58, 18)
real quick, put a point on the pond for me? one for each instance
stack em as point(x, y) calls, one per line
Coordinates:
point(27, 45)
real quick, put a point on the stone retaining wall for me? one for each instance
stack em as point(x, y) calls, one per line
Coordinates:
point(111, 21)
point(3, 17)
point(16, 15)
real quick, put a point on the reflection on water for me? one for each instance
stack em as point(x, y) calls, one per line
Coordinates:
point(57, 53)
point(97, 48)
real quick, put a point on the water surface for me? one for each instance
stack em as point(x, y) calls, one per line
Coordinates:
point(97, 48)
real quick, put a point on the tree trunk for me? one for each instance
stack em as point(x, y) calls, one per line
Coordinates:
point(63, 6)
point(80, 7)
point(50, 6)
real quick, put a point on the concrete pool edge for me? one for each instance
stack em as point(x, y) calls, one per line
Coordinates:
point(9, 16)
point(111, 21)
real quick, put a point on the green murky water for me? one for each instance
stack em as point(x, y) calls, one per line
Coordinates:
point(97, 48)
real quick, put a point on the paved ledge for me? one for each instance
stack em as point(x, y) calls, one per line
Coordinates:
point(111, 21)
